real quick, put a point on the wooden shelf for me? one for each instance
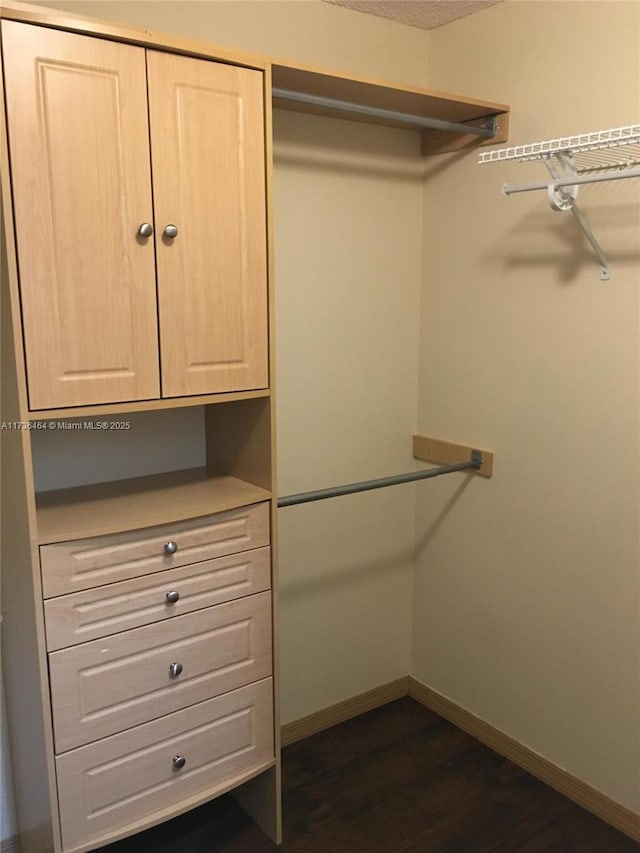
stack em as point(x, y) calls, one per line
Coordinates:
point(147, 405)
point(103, 508)
point(389, 96)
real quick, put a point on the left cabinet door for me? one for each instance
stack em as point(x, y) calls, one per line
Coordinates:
point(81, 178)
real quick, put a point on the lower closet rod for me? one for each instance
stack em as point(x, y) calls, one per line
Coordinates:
point(474, 462)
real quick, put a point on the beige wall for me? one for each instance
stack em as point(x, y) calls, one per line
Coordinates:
point(526, 606)
point(348, 214)
point(348, 218)
point(304, 31)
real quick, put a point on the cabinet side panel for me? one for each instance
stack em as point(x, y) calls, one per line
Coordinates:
point(21, 641)
point(78, 136)
point(239, 440)
point(207, 145)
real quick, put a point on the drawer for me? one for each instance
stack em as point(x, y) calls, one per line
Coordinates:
point(88, 615)
point(86, 563)
point(108, 685)
point(130, 777)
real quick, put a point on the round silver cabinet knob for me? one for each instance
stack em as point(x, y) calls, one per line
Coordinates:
point(172, 596)
point(170, 547)
point(145, 230)
point(175, 669)
point(179, 761)
point(170, 231)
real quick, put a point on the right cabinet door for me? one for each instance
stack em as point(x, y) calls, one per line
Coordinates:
point(208, 161)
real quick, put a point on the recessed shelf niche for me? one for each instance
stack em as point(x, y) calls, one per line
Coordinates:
point(164, 465)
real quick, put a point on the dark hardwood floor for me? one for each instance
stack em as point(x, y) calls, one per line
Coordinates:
point(395, 780)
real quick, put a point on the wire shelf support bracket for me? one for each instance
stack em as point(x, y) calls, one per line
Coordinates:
point(604, 155)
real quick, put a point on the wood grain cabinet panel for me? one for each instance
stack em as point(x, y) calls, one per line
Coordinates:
point(111, 684)
point(207, 147)
point(131, 776)
point(80, 169)
point(86, 563)
point(94, 613)
point(88, 119)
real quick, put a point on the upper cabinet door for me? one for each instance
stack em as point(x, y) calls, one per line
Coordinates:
point(79, 146)
point(208, 156)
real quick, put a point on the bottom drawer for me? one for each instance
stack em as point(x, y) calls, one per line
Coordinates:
point(123, 779)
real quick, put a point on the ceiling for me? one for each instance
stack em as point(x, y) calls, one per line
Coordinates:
point(426, 14)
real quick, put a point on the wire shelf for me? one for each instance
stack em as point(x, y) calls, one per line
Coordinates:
point(616, 148)
point(603, 155)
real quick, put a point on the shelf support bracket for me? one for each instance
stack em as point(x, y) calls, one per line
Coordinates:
point(562, 191)
point(584, 225)
point(565, 198)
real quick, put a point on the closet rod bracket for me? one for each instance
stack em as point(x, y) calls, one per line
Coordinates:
point(491, 126)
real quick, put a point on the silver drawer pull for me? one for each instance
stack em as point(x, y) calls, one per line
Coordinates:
point(179, 761)
point(170, 547)
point(170, 232)
point(175, 669)
point(172, 596)
point(145, 230)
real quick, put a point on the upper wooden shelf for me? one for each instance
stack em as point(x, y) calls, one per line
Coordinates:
point(411, 100)
point(94, 510)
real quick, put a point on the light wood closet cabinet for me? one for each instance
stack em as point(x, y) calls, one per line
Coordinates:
point(139, 186)
point(138, 613)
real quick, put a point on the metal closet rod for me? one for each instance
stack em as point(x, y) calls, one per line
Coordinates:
point(487, 132)
point(617, 175)
point(475, 462)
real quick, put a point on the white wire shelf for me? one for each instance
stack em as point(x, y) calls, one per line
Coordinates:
point(618, 147)
point(602, 155)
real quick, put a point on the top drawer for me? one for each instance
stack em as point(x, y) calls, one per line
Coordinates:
point(85, 563)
